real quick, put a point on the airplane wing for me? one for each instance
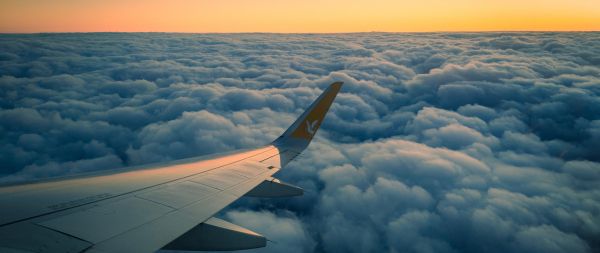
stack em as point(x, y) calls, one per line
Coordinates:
point(163, 206)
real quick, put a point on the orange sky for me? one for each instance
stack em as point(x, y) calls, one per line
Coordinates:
point(24, 16)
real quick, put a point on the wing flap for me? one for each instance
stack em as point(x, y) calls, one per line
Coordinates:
point(217, 234)
point(273, 188)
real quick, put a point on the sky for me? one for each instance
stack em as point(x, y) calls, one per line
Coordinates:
point(307, 16)
point(437, 142)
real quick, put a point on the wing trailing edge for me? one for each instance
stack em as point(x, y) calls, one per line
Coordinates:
point(273, 188)
point(218, 235)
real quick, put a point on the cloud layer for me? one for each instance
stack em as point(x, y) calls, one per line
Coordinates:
point(476, 142)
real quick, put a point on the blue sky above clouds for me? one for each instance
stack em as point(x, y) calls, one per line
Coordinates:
point(474, 142)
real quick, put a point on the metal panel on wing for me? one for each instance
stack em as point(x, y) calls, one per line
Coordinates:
point(101, 222)
point(179, 194)
point(250, 168)
point(219, 179)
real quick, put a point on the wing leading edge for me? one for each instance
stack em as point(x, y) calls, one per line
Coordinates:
point(166, 206)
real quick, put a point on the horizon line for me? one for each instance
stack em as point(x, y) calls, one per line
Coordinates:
point(362, 32)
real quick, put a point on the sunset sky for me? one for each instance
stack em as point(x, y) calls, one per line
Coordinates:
point(27, 16)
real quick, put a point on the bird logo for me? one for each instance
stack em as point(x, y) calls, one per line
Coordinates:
point(311, 127)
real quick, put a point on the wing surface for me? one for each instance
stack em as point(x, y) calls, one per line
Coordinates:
point(143, 209)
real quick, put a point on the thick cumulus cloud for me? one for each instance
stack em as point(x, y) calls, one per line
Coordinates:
point(475, 142)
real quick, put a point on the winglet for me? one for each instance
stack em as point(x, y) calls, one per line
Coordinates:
point(306, 126)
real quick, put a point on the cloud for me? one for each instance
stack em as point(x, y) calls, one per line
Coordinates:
point(461, 142)
point(548, 239)
point(285, 232)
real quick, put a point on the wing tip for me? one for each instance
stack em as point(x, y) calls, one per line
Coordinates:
point(305, 127)
point(336, 85)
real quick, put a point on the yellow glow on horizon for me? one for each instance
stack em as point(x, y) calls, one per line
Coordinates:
point(298, 16)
